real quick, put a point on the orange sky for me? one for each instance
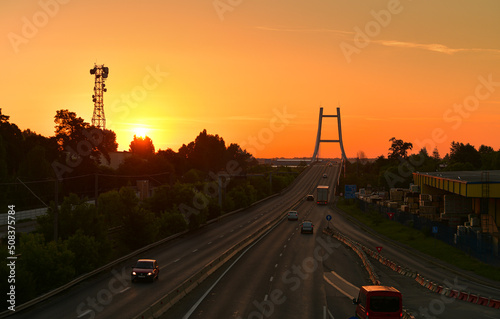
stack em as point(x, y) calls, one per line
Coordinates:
point(256, 72)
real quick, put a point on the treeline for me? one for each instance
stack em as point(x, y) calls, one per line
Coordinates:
point(84, 236)
point(396, 169)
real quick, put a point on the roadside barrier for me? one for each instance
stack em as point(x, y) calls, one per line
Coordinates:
point(161, 306)
point(483, 301)
point(360, 251)
point(494, 304)
point(432, 286)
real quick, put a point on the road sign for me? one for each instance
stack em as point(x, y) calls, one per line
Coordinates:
point(379, 249)
point(434, 229)
point(350, 191)
point(390, 215)
point(328, 217)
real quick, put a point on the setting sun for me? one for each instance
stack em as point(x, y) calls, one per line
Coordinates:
point(140, 132)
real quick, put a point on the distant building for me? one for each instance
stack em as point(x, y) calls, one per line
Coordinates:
point(473, 196)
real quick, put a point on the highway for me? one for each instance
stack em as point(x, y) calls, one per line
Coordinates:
point(111, 295)
point(283, 274)
point(291, 275)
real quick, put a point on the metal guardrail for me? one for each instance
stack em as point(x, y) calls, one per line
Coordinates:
point(116, 262)
point(170, 299)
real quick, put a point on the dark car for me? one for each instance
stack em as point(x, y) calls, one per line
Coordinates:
point(145, 269)
point(310, 197)
point(293, 215)
point(306, 227)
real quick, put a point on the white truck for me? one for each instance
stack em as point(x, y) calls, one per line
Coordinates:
point(322, 194)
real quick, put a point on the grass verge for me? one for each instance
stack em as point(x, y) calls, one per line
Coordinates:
point(420, 241)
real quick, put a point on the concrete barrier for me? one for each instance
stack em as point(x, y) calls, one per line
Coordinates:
point(494, 304)
point(463, 296)
point(483, 301)
point(473, 298)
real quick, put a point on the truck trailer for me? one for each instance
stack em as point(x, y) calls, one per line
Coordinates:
point(322, 194)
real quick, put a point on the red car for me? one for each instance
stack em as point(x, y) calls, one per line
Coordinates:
point(145, 269)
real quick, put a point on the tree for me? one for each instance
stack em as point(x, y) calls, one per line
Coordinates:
point(35, 165)
point(142, 147)
point(86, 250)
point(13, 143)
point(139, 224)
point(74, 214)
point(50, 263)
point(435, 153)
point(399, 149)
point(244, 159)
point(460, 153)
point(171, 223)
point(81, 145)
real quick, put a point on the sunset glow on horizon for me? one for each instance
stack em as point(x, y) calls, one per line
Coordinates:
point(256, 73)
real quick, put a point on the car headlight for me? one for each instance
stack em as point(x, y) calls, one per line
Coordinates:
point(133, 273)
point(150, 273)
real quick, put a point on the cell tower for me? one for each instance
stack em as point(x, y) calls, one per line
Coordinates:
point(101, 74)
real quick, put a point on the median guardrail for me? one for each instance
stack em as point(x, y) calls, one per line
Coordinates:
point(120, 260)
point(170, 299)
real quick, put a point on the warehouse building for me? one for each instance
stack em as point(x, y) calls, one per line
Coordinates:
point(468, 199)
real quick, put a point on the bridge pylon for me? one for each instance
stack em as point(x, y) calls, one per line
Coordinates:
point(319, 140)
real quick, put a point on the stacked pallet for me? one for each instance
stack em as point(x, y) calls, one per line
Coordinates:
point(429, 212)
point(412, 202)
point(456, 209)
point(396, 194)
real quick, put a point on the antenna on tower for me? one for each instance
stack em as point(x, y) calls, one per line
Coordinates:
point(101, 74)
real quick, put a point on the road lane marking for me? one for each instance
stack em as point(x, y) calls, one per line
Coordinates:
point(85, 313)
point(338, 288)
point(209, 243)
point(327, 311)
point(195, 250)
point(193, 308)
point(345, 281)
point(271, 279)
point(124, 290)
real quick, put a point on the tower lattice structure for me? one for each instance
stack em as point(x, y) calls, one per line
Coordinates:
point(101, 74)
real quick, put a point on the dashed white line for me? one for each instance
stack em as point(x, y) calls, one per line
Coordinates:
point(195, 250)
point(271, 279)
point(85, 313)
point(124, 290)
point(209, 243)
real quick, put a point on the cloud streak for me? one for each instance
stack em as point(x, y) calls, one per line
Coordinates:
point(434, 47)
